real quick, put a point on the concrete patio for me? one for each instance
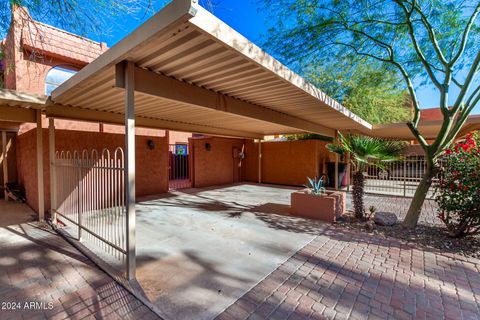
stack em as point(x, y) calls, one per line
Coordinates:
point(12, 213)
point(199, 250)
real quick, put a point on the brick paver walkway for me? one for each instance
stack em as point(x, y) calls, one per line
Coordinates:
point(345, 274)
point(44, 277)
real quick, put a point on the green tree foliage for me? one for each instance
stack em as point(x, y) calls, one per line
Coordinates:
point(436, 41)
point(86, 17)
point(80, 17)
point(367, 90)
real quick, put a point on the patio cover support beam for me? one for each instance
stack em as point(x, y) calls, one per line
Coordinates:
point(51, 152)
point(40, 182)
point(17, 114)
point(5, 162)
point(62, 112)
point(129, 80)
point(154, 84)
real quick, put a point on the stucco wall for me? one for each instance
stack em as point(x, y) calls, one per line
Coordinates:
point(216, 166)
point(11, 162)
point(151, 165)
point(287, 162)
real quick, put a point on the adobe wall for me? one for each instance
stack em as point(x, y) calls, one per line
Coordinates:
point(11, 156)
point(151, 165)
point(219, 165)
point(287, 162)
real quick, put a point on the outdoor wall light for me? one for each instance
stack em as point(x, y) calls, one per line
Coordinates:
point(208, 146)
point(150, 144)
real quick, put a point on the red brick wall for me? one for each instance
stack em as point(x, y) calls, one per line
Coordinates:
point(151, 165)
point(26, 71)
point(217, 166)
point(11, 155)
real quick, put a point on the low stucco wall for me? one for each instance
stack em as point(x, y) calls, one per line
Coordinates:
point(287, 162)
point(151, 165)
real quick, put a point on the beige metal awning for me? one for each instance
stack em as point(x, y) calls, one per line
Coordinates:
point(194, 73)
point(20, 107)
point(428, 128)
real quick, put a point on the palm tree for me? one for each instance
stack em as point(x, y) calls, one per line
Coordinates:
point(365, 151)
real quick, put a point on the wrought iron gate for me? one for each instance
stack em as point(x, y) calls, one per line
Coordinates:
point(90, 203)
point(179, 166)
point(398, 178)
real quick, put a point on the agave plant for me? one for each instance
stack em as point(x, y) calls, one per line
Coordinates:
point(315, 186)
point(365, 151)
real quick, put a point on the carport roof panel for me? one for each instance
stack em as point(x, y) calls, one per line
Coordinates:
point(185, 42)
point(18, 107)
point(428, 128)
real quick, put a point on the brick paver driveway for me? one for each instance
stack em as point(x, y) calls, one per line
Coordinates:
point(344, 274)
point(44, 277)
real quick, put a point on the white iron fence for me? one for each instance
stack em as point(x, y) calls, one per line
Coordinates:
point(90, 201)
point(399, 178)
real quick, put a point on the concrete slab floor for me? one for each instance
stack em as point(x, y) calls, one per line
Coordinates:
point(12, 213)
point(199, 250)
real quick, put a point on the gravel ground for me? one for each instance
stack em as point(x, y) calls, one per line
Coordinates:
point(426, 234)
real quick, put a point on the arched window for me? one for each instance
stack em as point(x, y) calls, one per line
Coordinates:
point(55, 77)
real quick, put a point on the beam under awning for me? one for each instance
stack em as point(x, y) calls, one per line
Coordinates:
point(17, 114)
point(62, 112)
point(157, 85)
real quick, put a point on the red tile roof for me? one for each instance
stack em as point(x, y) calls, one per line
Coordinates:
point(50, 40)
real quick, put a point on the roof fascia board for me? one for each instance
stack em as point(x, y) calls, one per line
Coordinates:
point(10, 97)
point(17, 114)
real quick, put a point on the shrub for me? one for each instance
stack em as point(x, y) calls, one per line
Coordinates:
point(458, 191)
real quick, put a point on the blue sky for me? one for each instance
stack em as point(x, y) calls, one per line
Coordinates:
point(245, 17)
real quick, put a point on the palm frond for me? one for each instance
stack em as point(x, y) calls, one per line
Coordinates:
point(368, 150)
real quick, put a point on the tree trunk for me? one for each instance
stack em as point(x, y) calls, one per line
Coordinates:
point(411, 219)
point(357, 194)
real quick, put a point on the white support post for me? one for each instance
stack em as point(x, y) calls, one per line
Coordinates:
point(40, 183)
point(51, 152)
point(5, 162)
point(349, 171)
point(336, 165)
point(260, 161)
point(130, 167)
point(336, 172)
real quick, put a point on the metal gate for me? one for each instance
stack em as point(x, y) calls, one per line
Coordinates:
point(399, 178)
point(89, 201)
point(179, 161)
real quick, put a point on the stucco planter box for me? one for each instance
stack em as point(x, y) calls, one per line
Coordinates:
point(327, 207)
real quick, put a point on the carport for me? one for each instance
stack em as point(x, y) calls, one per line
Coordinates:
point(17, 108)
point(186, 70)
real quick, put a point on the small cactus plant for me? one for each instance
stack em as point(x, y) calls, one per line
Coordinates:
point(315, 186)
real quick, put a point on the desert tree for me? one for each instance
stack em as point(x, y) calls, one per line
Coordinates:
point(428, 42)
